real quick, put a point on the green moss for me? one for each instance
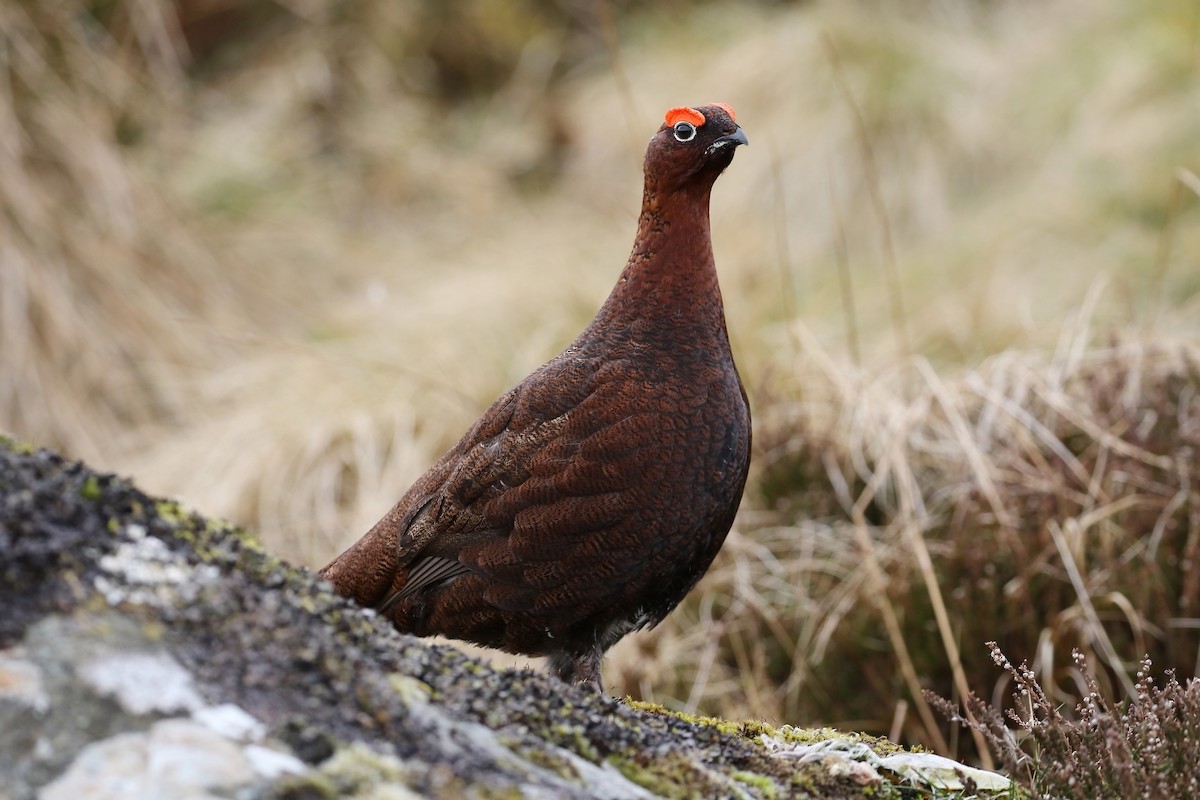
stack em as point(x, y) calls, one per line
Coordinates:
point(153, 630)
point(309, 786)
point(541, 757)
point(216, 541)
point(572, 738)
point(881, 745)
point(661, 710)
point(668, 776)
point(761, 783)
point(748, 729)
point(752, 730)
point(507, 793)
point(172, 512)
point(356, 769)
point(91, 488)
point(411, 690)
point(15, 445)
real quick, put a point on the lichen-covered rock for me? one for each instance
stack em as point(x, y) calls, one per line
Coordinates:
point(148, 652)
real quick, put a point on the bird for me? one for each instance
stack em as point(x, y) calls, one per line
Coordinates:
point(590, 498)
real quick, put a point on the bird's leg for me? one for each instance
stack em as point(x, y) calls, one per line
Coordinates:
point(580, 669)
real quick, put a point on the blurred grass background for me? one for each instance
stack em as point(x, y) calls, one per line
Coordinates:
point(272, 258)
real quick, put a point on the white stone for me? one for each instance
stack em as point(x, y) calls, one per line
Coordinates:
point(143, 682)
point(175, 759)
point(940, 772)
point(21, 681)
point(230, 721)
point(270, 764)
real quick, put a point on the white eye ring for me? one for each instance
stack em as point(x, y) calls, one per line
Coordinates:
point(684, 131)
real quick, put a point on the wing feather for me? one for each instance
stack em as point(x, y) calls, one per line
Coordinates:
point(427, 571)
point(528, 509)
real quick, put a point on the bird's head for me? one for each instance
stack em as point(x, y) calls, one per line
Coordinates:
point(693, 147)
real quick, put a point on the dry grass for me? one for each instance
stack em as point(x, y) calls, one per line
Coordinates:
point(276, 269)
point(87, 320)
point(1145, 747)
point(1045, 503)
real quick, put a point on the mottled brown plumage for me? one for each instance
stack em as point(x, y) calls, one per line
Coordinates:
point(590, 498)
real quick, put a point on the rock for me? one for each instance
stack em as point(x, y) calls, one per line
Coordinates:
point(149, 652)
point(175, 758)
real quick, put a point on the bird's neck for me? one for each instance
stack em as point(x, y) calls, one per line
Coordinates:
point(670, 275)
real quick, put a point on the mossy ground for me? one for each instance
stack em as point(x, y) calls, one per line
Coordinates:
point(235, 272)
point(325, 675)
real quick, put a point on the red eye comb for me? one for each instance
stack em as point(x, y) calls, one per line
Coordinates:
point(684, 114)
point(728, 109)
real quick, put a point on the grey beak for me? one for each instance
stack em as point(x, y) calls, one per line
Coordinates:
point(734, 139)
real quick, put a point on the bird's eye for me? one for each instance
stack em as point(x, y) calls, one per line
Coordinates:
point(684, 131)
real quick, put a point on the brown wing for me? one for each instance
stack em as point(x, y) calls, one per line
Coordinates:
point(454, 515)
point(586, 497)
point(523, 508)
point(376, 567)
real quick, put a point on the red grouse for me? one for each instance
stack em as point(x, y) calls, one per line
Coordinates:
point(589, 499)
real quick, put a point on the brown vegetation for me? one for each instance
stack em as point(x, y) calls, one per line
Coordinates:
point(1046, 504)
point(275, 267)
point(1145, 747)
